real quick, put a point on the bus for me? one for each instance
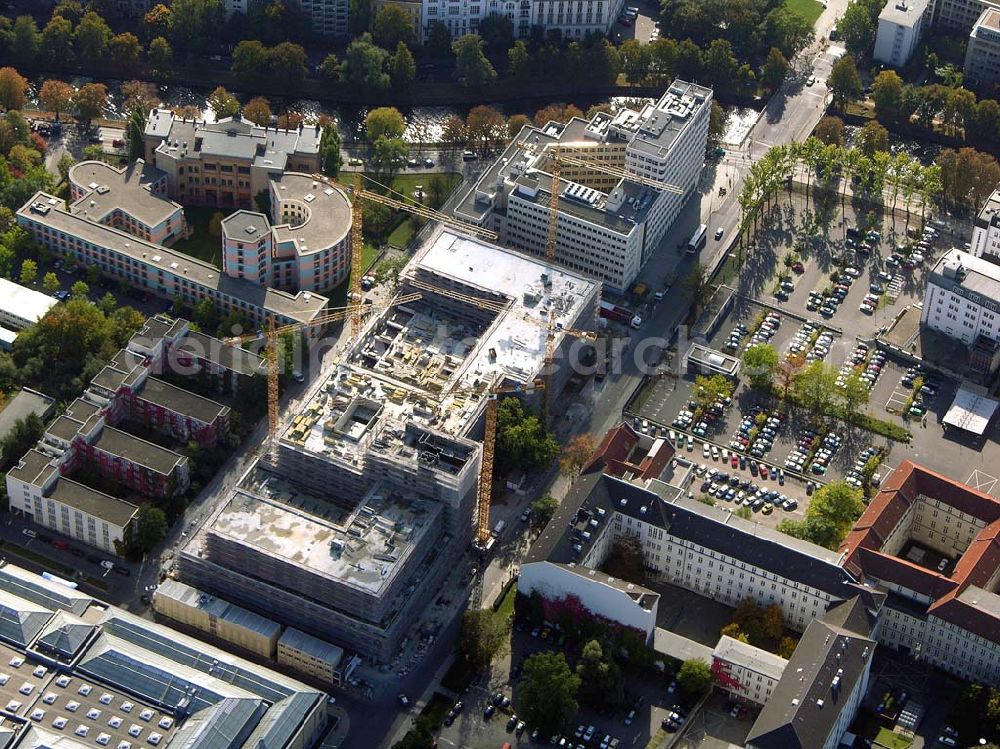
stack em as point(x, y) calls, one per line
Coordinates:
point(697, 239)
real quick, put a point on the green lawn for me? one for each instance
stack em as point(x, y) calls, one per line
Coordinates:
point(201, 244)
point(368, 256)
point(401, 235)
point(436, 709)
point(407, 183)
point(868, 726)
point(808, 9)
point(505, 609)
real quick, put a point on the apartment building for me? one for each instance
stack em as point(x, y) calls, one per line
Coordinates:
point(85, 673)
point(960, 299)
point(21, 306)
point(982, 53)
point(311, 656)
point(901, 25)
point(744, 672)
point(414, 9)
point(607, 226)
point(933, 544)
point(132, 199)
point(572, 19)
point(161, 271)
point(986, 229)
point(369, 501)
point(960, 15)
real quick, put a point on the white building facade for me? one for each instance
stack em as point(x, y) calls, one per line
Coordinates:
point(901, 25)
point(962, 297)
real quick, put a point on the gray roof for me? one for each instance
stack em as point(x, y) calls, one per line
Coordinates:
point(224, 725)
point(327, 213)
point(106, 189)
point(217, 607)
point(679, 647)
point(114, 511)
point(64, 635)
point(714, 528)
point(305, 643)
point(246, 226)
point(903, 12)
point(181, 401)
point(50, 595)
point(827, 664)
point(303, 306)
point(233, 358)
point(968, 276)
point(283, 721)
point(23, 404)
point(139, 451)
point(21, 620)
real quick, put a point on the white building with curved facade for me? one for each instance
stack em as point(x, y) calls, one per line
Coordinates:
point(304, 246)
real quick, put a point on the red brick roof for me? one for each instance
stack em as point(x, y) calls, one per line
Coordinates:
point(952, 608)
point(611, 456)
point(903, 572)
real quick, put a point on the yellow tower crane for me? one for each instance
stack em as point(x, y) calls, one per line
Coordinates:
point(271, 335)
point(357, 220)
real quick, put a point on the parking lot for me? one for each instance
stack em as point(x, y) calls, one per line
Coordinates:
point(713, 726)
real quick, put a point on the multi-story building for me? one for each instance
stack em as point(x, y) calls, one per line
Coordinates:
point(572, 20)
point(308, 247)
point(21, 306)
point(934, 545)
point(982, 53)
point(131, 199)
point(86, 673)
point(960, 15)
point(961, 297)
point(311, 656)
point(414, 9)
point(159, 270)
point(986, 230)
point(125, 393)
point(607, 226)
point(901, 25)
point(746, 673)
point(823, 684)
point(369, 501)
point(225, 163)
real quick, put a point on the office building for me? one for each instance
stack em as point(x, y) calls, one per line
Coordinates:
point(571, 21)
point(369, 501)
point(131, 199)
point(608, 226)
point(161, 271)
point(311, 656)
point(80, 672)
point(961, 297)
point(744, 672)
point(960, 15)
point(901, 25)
point(824, 682)
point(982, 53)
point(21, 306)
point(934, 545)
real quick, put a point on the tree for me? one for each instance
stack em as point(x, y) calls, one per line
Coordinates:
point(485, 129)
point(472, 69)
point(853, 394)
point(387, 122)
point(548, 692)
point(694, 677)
point(251, 59)
point(161, 54)
point(859, 24)
point(844, 82)
point(831, 514)
point(392, 26)
point(193, 20)
point(887, 92)
point(635, 59)
point(402, 67)
point(56, 96)
point(364, 66)
point(872, 138)
point(721, 64)
point(258, 111)
point(787, 30)
point(125, 49)
point(421, 736)
point(760, 363)
point(762, 625)
point(50, 283)
point(698, 287)
point(483, 637)
point(158, 20)
point(65, 162)
point(710, 390)
point(388, 270)
point(329, 151)
point(516, 123)
point(830, 131)
point(25, 40)
point(388, 156)
point(497, 31)
point(57, 40)
point(89, 100)
point(22, 437)
point(576, 453)
point(13, 89)
point(92, 37)
point(522, 441)
point(79, 290)
point(626, 560)
point(439, 40)
point(601, 682)
point(359, 16)
point(29, 272)
point(967, 176)
point(330, 69)
point(223, 103)
point(775, 68)
point(786, 647)
point(519, 62)
point(542, 510)
point(716, 125)
point(985, 125)
point(150, 527)
point(288, 63)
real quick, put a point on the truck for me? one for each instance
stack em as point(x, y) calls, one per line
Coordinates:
point(620, 314)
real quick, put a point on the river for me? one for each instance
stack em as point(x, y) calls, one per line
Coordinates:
point(423, 124)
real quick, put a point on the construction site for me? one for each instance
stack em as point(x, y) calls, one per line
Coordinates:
point(373, 488)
